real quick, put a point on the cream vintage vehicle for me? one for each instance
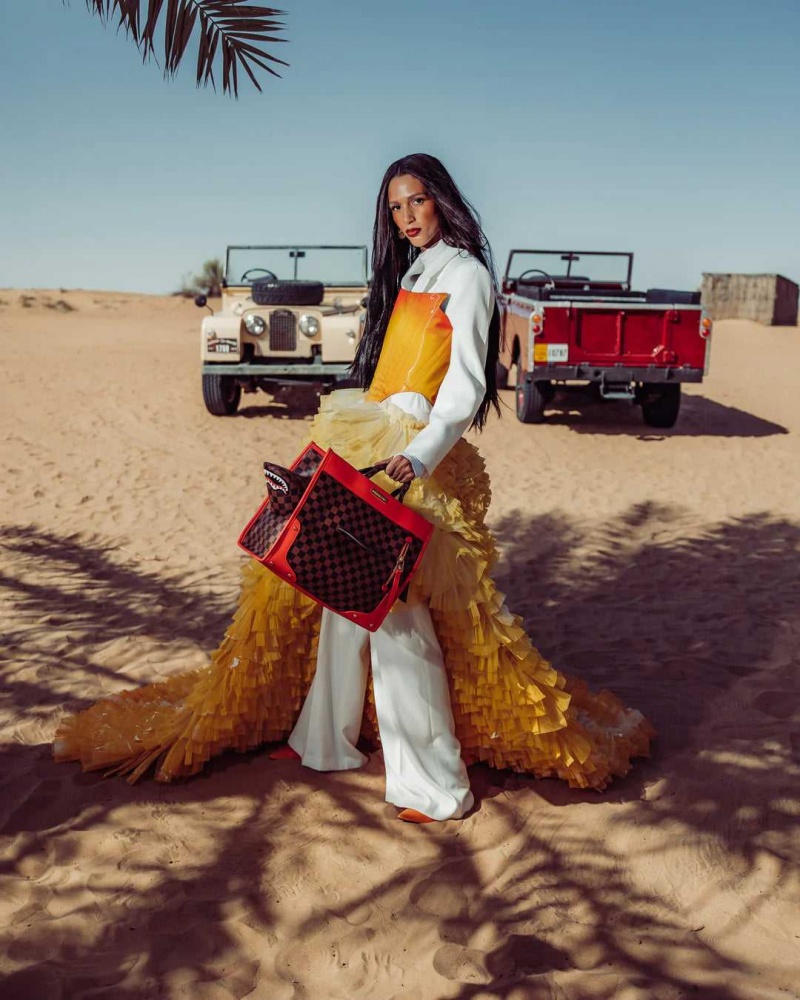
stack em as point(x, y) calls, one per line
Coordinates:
point(291, 317)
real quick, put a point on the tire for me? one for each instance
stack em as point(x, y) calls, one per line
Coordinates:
point(221, 394)
point(661, 405)
point(267, 292)
point(530, 401)
point(501, 376)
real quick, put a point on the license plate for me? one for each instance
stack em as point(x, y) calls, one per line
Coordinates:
point(223, 349)
point(557, 352)
point(544, 353)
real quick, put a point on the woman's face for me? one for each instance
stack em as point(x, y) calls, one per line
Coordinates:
point(413, 211)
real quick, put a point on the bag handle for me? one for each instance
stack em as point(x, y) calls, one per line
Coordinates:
point(373, 470)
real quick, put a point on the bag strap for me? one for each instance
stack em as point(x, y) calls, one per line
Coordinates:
point(392, 584)
point(373, 470)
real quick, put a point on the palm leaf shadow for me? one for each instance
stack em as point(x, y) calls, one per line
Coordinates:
point(711, 615)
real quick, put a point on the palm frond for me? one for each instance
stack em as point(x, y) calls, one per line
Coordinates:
point(232, 29)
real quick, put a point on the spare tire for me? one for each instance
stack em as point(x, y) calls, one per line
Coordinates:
point(268, 292)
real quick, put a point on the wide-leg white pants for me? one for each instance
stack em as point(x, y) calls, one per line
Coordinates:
point(422, 756)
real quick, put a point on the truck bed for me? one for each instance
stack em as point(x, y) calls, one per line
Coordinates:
point(582, 337)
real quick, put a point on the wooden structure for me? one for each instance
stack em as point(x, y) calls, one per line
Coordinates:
point(770, 299)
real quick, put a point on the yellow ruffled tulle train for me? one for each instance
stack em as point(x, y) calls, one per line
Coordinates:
point(511, 707)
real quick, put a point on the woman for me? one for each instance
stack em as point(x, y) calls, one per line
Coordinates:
point(426, 366)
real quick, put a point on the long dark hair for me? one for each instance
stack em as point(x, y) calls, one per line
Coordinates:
point(392, 256)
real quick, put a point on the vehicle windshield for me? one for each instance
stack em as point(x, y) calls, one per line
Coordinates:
point(333, 266)
point(555, 264)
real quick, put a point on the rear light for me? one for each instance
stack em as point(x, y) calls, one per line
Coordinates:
point(537, 323)
point(705, 327)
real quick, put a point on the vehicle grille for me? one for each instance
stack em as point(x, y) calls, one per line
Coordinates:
point(282, 330)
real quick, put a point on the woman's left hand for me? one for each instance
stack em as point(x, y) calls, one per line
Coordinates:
point(399, 469)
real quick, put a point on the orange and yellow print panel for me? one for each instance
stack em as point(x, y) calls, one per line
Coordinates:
point(416, 350)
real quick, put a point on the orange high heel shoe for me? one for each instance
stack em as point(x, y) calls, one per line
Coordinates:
point(414, 816)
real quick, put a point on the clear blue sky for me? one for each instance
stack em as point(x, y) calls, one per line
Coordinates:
point(666, 127)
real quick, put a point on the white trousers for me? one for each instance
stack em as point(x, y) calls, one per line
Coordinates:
point(422, 756)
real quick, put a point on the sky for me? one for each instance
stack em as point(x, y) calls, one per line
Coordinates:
point(664, 127)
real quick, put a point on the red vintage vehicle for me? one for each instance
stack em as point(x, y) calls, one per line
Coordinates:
point(572, 319)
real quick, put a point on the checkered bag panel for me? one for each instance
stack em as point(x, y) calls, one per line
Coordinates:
point(285, 490)
point(346, 550)
point(309, 463)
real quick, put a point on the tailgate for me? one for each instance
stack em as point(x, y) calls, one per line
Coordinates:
point(632, 336)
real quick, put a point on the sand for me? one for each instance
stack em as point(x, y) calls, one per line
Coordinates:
point(659, 564)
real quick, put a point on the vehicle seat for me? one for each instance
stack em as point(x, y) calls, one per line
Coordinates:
point(575, 282)
point(670, 296)
point(559, 280)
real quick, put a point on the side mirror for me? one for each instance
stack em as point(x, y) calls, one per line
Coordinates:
point(364, 302)
point(200, 301)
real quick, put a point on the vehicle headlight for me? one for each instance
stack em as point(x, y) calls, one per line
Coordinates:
point(309, 325)
point(254, 324)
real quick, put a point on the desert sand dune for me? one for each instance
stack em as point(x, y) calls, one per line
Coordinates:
point(662, 565)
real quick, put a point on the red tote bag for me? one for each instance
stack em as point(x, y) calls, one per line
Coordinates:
point(328, 530)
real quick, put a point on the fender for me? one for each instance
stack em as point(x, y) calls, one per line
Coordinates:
point(221, 338)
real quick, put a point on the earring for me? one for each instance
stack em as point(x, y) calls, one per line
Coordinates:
point(401, 234)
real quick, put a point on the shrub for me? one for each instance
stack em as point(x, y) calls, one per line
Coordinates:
point(207, 282)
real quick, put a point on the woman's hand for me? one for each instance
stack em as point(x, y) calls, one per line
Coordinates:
point(398, 468)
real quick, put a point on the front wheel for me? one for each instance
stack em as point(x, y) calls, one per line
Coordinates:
point(661, 405)
point(531, 400)
point(221, 394)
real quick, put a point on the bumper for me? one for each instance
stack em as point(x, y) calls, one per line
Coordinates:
point(301, 372)
point(613, 373)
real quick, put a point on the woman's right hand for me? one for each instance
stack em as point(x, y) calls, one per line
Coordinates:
point(398, 468)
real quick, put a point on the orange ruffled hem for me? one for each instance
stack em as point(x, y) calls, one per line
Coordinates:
point(512, 709)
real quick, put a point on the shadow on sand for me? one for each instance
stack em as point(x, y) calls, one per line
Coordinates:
point(293, 402)
point(299, 410)
point(84, 586)
point(684, 628)
point(581, 412)
point(699, 417)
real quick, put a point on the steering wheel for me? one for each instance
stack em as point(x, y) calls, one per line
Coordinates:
point(263, 270)
point(536, 270)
